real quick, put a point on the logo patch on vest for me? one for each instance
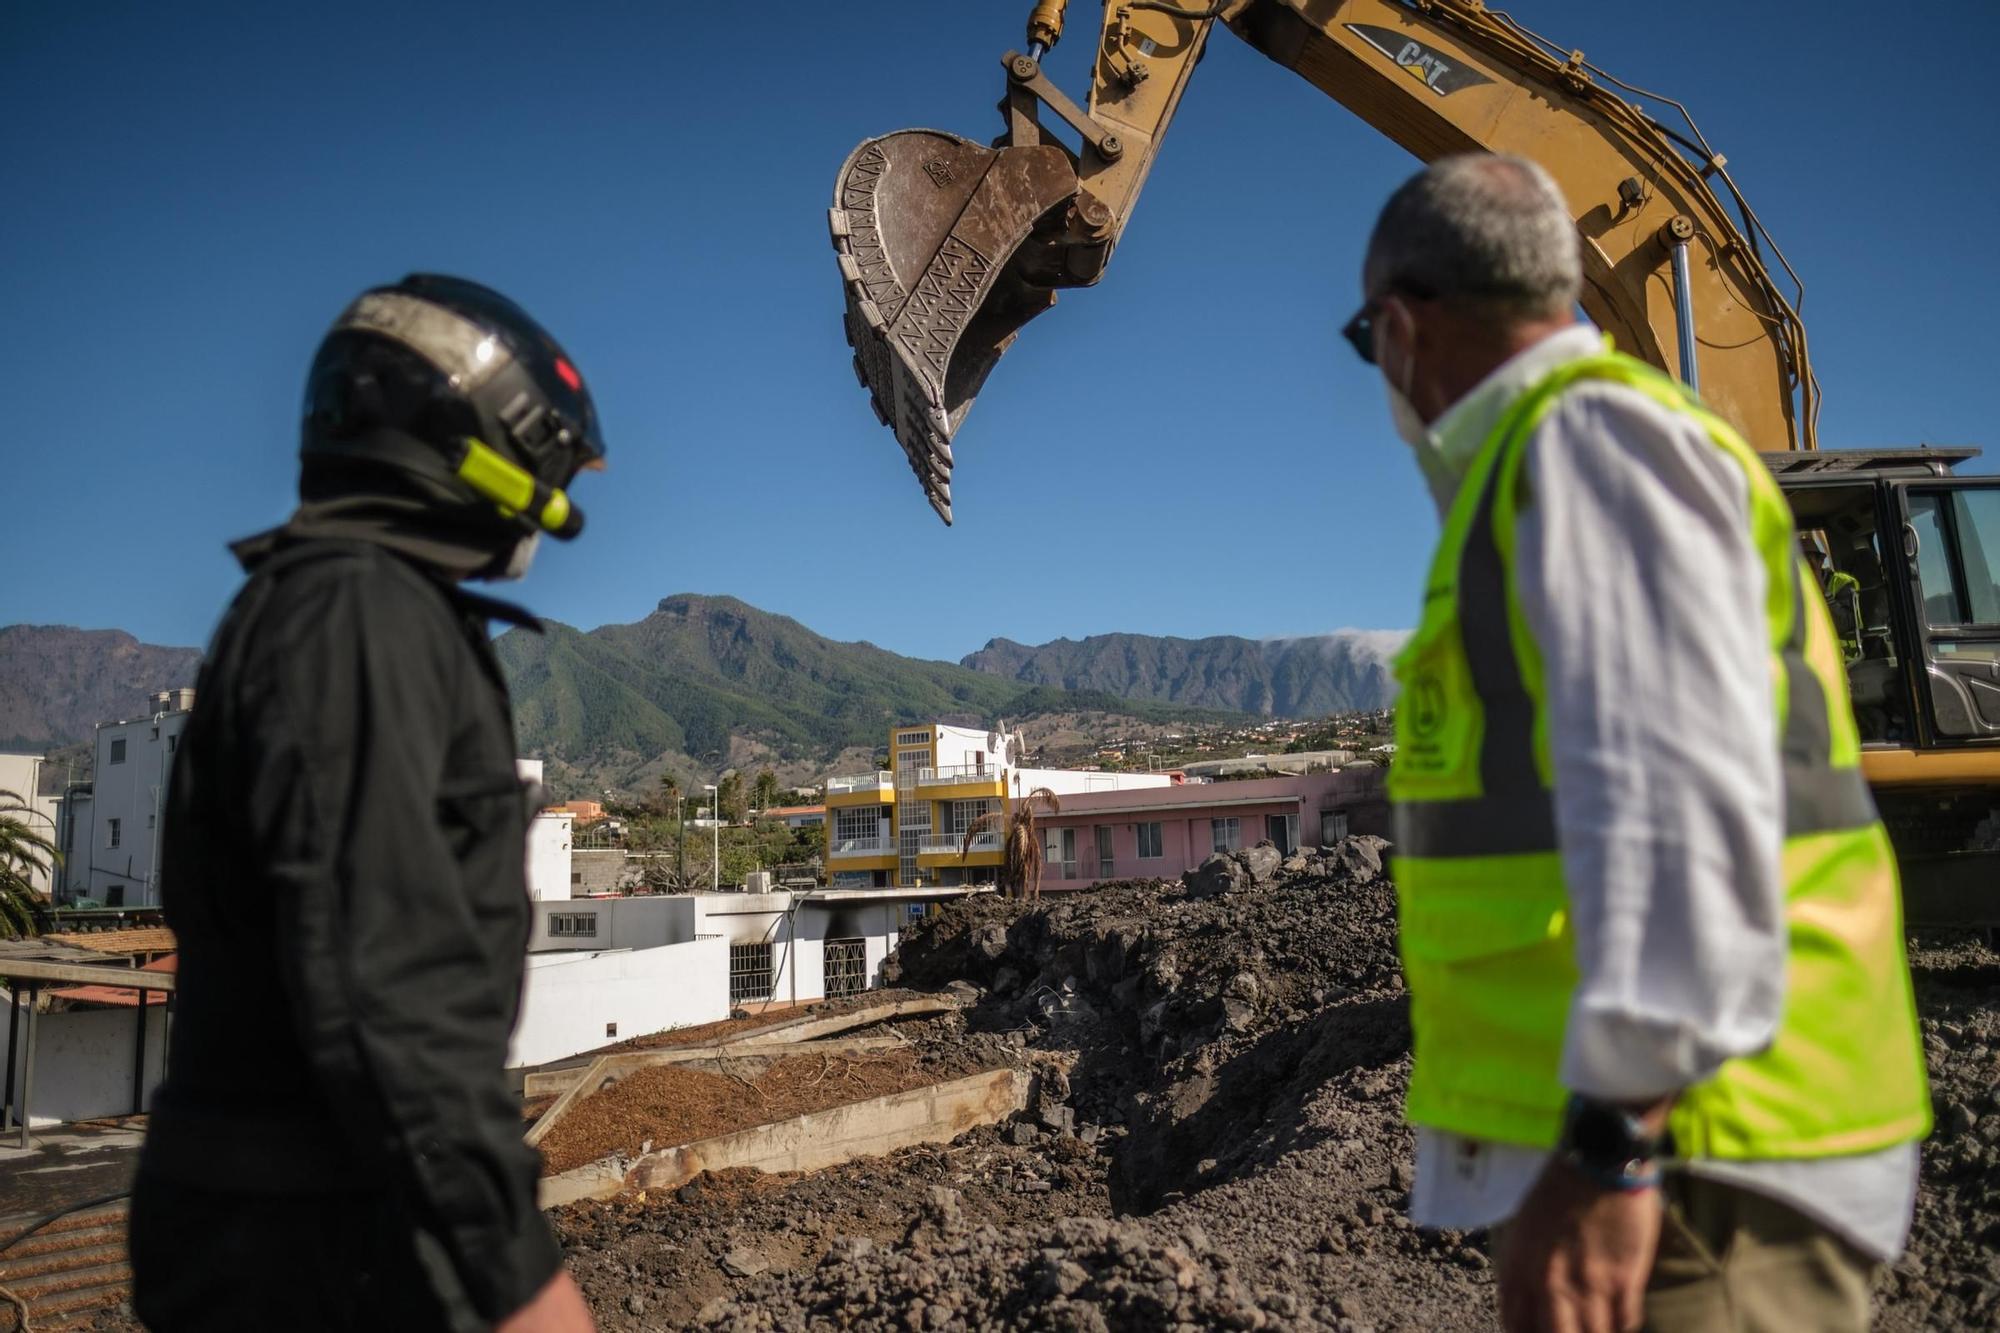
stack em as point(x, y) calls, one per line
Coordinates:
point(1426, 705)
point(1442, 74)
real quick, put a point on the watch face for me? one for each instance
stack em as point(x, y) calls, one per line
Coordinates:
point(1603, 1133)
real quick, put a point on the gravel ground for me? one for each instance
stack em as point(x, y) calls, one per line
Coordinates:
point(1950, 1278)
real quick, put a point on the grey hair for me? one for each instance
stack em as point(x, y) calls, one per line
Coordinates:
point(1484, 230)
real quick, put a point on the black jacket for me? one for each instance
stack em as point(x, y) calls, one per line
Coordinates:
point(343, 867)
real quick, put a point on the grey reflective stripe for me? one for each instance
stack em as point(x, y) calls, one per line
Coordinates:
point(1819, 799)
point(1507, 824)
point(1517, 813)
point(1507, 750)
point(1808, 739)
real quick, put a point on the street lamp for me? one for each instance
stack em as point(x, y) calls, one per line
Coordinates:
point(715, 835)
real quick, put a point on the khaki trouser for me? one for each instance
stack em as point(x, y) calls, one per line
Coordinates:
point(1734, 1261)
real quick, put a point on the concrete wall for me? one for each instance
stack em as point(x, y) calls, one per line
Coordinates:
point(604, 869)
point(645, 922)
point(549, 855)
point(83, 1061)
point(573, 1000)
point(1077, 781)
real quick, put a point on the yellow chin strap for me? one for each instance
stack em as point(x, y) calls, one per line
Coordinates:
point(516, 490)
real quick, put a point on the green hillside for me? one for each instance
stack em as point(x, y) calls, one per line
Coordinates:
point(703, 675)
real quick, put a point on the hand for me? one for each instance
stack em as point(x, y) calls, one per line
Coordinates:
point(1576, 1257)
point(557, 1308)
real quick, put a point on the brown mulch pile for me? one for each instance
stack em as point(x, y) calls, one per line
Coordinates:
point(668, 1105)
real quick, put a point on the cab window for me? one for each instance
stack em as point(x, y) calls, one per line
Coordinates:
point(1958, 555)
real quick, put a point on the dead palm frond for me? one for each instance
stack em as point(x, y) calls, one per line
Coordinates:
point(24, 853)
point(1020, 846)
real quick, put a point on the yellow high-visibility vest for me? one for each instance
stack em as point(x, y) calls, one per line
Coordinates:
point(1487, 948)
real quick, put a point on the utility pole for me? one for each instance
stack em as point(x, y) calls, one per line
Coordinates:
point(715, 831)
point(680, 840)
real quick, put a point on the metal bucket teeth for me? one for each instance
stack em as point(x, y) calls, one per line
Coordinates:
point(926, 226)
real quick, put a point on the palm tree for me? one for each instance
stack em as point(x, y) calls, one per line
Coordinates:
point(24, 853)
point(1020, 846)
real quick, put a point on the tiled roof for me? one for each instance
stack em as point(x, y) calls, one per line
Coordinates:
point(139, 939)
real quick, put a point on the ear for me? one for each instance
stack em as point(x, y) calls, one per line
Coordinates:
point(1394, 324)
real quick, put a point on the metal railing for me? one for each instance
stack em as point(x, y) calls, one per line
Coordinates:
point(953, 842)
point(859, 847)
point(957, 773)
point(854, 782)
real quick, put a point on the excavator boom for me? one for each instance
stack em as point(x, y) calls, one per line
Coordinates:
point(947, 247)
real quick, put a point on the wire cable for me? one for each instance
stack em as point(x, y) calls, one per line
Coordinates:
point(58, 1215)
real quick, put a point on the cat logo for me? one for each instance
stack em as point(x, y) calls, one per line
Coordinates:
point(1427, 65)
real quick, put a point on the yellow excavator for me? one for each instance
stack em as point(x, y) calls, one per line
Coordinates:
point(948, 246)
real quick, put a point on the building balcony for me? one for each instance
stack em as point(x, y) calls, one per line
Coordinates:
point(962, 775)
point(841, 847)
point(861, 788)
point(951, 844)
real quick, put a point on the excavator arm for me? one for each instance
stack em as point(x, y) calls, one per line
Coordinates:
point(947, 247)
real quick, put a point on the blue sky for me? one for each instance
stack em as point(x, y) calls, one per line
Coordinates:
point(193, 191)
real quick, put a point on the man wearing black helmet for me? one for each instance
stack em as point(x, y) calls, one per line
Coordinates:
point(335, 1145)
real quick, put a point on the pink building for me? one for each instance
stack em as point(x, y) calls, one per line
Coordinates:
point(1161, 831)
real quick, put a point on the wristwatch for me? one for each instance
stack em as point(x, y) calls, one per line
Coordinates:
point(1607, 1145)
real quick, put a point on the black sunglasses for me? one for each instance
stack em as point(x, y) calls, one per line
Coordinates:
point(1360, 331)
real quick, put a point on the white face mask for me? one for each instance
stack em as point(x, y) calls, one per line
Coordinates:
point(518, 559)
point(1423, 443)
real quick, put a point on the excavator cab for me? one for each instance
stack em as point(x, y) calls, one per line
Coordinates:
point(1916, 550)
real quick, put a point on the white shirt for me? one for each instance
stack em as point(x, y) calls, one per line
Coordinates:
point(1646, 597)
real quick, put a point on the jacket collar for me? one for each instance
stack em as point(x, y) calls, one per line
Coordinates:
point(1461, 432)
point(282, 545)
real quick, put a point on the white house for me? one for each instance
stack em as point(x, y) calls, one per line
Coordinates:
point(602, 969)
point(21, 775)
point(110, 833)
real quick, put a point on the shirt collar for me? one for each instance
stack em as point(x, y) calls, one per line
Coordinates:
point(1462, 430)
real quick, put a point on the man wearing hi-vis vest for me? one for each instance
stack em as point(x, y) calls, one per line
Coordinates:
point(1665, 1040)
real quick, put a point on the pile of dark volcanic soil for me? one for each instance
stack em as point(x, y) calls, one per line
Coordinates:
point(1226, 1150)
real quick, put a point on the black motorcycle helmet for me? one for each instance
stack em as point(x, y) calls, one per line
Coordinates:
point(457, 389)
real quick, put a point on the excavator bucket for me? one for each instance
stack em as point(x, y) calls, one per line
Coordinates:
point(932, 234)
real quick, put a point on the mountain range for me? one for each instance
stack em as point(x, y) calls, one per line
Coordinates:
point(704, 683)
point(57, 683)
point(1306, 676)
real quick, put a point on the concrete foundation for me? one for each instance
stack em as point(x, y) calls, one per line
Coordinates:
point(938, 1113)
